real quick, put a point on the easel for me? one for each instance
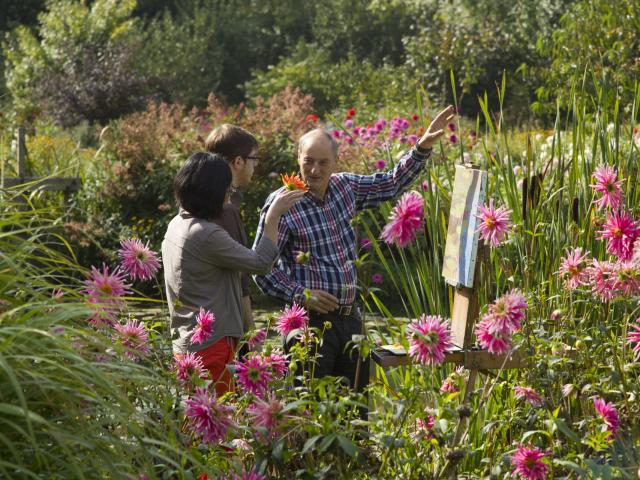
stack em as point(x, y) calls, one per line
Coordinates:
point(67, 185)
point(464, 314)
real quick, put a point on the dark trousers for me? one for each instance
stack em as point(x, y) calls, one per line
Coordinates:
point(338, 356)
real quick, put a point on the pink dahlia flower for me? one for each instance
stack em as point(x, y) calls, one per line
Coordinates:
point(602, 279)
point(495, 341)
point(133, 335)
point(377, 278)
point(429, 339)
point(608, 413)
point(626, 279)
point(256, 339)
point(254, 374)
point(573, 269)
point(278, 363)
point(633, 338)
point(505, 314)
point(449, 386)
point(206, 417)
point(138, 260)
point(405, 220)
point(529, 394)
point(621, 232)
point(607, 186)
point(267, 414)
point(188, 366)
point(495, 223)
point(103, 287)
point(528, 463)
point(292, 318)
point(204, 326)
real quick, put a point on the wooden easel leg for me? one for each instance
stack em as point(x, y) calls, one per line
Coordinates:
point(454, 455)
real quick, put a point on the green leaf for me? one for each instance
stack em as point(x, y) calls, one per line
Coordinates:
point(327, 441)
point(347, 445)
point(308, 445)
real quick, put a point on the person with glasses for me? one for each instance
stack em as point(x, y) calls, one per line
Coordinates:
point(320, 225)
point(240, 149)
point(202, 263)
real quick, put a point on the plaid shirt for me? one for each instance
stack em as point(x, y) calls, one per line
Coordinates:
point(323, 228)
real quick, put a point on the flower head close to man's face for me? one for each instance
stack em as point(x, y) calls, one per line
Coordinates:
point(293, 182)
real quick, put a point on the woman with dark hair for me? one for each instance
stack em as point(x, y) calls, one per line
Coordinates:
point(202, 263)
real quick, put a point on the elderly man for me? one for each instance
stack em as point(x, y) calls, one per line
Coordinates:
point(320, 224)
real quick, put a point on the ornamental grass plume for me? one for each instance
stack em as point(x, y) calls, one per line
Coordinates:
point(429, 339)
point(573, 269)
point(206, 417)
point(254, 374)
point(608, 187)
point(621, 232)
point(405, 220)
point(291, 318)
point(506, 313)
point(496, 342)
point(188, 366)
point(138, 260)
point(529, 394)
point(633, 338)
point(293, 182)
point(528, 463)
point(204, 326)
point(609, 414)
point(104, 287)
point(133, 335)
point(495, 223)
point(267, 413)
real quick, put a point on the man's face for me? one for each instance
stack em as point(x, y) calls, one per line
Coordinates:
point(245, 169)
point(317, 162)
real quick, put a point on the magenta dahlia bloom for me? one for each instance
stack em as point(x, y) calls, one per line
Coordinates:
point(377, 278)
point(621, 232)
point(254, 374)
point(607, 186)
point(138, 260)
point(608, 413)
point(103, 287)
point(602, 279)
point(278, 363)
point(204, 326)
point(380, 164)
point(626, 278)
point(495, 341)
point(495, 223)
point(529, 394)
point(506, 313)
point(292, 318)
point(633, 338)
point(528, 463)
point(267, 414)
point(206, 417)
point(429, 339)
point(255, 341)
point(188, 366)
point(405, 220)
point(573, 269)
point(252, 475)
point(133, 335)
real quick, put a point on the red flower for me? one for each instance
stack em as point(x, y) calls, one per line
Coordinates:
point(351, 113)
point(312, 117)
point(415, 117)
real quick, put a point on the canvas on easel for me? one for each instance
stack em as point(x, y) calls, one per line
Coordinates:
point(461, 248)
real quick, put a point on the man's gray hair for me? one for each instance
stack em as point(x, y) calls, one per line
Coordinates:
point(322, 133)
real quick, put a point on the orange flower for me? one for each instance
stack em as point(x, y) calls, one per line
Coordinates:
point(293, 182)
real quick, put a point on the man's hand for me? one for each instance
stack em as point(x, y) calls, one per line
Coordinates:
point(321, 302)
point(436, 128)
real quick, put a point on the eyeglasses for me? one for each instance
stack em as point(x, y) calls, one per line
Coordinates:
point(254, 158)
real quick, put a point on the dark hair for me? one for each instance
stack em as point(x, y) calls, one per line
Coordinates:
point(230, 141)
point(201, 184)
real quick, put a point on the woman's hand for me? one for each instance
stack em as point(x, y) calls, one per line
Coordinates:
point(284, 201)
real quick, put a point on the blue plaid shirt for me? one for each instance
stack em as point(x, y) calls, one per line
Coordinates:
point(323, 228)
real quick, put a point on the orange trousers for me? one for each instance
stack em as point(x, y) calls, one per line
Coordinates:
point(215, 359)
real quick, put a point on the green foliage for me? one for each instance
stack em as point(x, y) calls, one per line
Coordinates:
point(348, 82)
point(598, 40)
point(79, 64)
point(479, 41)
